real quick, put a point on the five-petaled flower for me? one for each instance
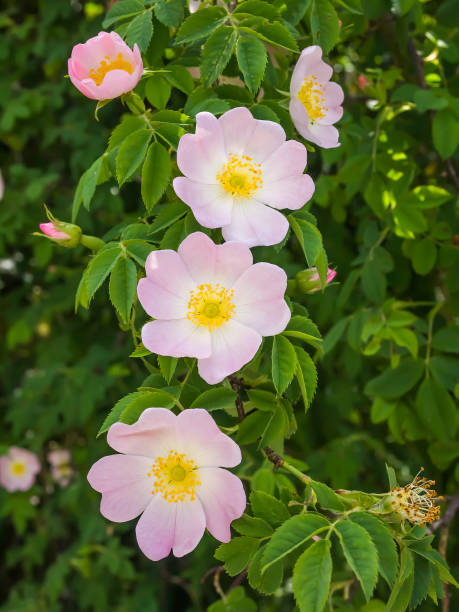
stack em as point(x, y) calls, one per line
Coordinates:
point(18, 469)
point(315, 102)
point(170, 472)
point(104, 67)
point(211, 302)
point(238, 171)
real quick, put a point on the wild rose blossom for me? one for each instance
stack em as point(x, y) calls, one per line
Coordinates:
point(18, 469)
point(211, 302)
point(238, 171)
point(104, 67)
point(61, 471)
point(170, 472)
point(315, 102)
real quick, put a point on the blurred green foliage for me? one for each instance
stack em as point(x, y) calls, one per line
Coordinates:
point(386, 206)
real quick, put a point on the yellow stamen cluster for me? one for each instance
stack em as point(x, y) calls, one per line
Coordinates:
point(17, 468)
point(106, 65)
point(175, 477)
point(240, 176)
point(416, 501)
point(311, 95)
point(211, 305)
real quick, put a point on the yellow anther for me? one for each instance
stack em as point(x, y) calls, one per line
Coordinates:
point(416, 502)
point(175, 477)
point(210, 306)
point(17, 468)
point(240, 176)
point(106, 65)
point(311, 95)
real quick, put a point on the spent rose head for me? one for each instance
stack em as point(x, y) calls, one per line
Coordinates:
point(170, 472)
point(239, 172)
point(315, 102)
point(18, 469)
point(211, 302)
point(105, 67)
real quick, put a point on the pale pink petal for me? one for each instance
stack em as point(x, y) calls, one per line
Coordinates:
point(259, 299)
point(233, 345)
point(223, 498)
point(115, 83)
point(29, 459)
point(255, 224)
point(59, 456)
point(90, 53)
point(190, 523)
point(211, 205)
point(325, 136)
point(166, 276)
point(291, 192)
point(310, 63)
point(200, 438)
point(159, 302)
point(288, 160)
point(200, 156)
point(193, 5)
point(155, 530)
point(125, 486)
point(334, 96)
point(50, 230)
point(264, 140)
point(81, 85)
point(237, 126)
point(151, 436)
point(177, 338)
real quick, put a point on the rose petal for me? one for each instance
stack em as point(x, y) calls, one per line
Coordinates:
point(200, 156)
point(155, 530)
point(288, 160)
point(223, 499)
point(233, 345)
point(190, 524)
point(210, 204)
point(177, 338)
point(201, 439)
point(310, 63)
point(255, 224)
point(237, 126)
point(291, 192)
point(151, 436)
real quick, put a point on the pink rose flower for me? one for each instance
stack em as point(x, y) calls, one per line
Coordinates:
point(211, 302)
point(18, 469)
point(104, 67)
point(170, 472)
point(238, 170)
point(50, 230)
point(60, 466)
point(315, 102)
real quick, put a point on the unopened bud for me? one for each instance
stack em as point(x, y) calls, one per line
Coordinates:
point(308, 281)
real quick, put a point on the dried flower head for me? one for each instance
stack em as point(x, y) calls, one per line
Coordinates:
point(416, 502)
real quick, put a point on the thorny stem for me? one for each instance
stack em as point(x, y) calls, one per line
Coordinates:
point(279, 461)
point(236, 385)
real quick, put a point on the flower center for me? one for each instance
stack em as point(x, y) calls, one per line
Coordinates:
point(106, 65)
point(416, 502)
point(240, 176)
point(311, 95)
point(175, 477)
point(17, 468)
point(210, 305)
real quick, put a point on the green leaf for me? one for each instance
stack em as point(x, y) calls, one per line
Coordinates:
point(170, 12)
point(445, 132)
point(101, 265)
point(401, 593)
point(216, 53)
point(401, 7)
point(267, 582)
point(150, 399)
point(436, 409)
point(326, 497)
point(324, 24)
point(373, 282)
point(131, 154)
point(200, 24)
point(218, 398)
point(138, 250)
point(140, 31)
point(385, 545)
point(128, 125)
point(123, 286)
point(268, 508)
point(122, 10)
point(422, 578)
point(306, 373)
point(447, 339)
point(284, 363)
point(423, 256)
point(360, 553)
point(334, 335)
point(391, 477)
point(167, 367)
point(236, 601)
point(394, 383)
point(276, 34)
point(311, 577)
point(87, 186)
point(431, 196)
point(252, 526)
point(114, 414)
point(203, 99)
point(258, 8)
point(251, 58)
point(167, 215)
point(158, 91)
point(406, 338)
point(237, 553)
point(292, 534)
point(140, 351)
point(179, 77)
point(156, 173)
point(263, 400)
point(309, 238)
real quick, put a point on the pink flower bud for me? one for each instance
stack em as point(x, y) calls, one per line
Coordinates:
point(309, 282)
point(50, 230)
point(362, 82)
point(65, 234)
